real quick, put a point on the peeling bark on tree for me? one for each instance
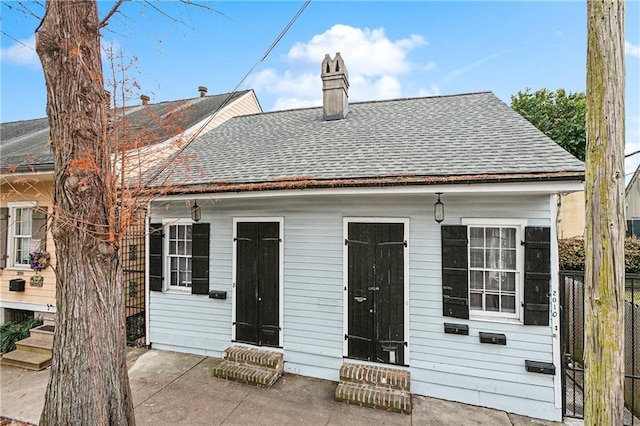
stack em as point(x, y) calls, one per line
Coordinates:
point(88, 384)
point(604, 185)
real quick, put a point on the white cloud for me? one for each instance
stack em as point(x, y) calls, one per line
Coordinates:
point(429, 66)
point(631, 49)
point(374, 63)
point(22, 52)
point(433, 90)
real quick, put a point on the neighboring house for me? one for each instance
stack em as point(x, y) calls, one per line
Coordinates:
point(571, 215)
point(153, 132)
point(317, 239)
point(632, 204)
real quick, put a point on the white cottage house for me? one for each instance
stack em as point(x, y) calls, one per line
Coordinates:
point(417, 235)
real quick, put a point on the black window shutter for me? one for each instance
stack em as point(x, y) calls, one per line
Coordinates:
point(200, 258)
point(4, 231)
point(455, 285)
point(537, 275)
point(39, 226)
point(155, 256)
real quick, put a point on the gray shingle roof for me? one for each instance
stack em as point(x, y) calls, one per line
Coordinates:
point(471, 134)
point(24, 144)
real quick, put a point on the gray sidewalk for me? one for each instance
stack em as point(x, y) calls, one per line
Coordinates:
point(179, 389)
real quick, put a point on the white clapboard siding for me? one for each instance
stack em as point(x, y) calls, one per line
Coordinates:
point(443, 365)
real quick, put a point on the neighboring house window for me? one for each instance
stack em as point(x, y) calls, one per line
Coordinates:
point(496, 269)
point(23, 228)
point(179, 255)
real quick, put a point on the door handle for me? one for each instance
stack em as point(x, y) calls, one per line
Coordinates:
point(360, 299)
point(374, 288)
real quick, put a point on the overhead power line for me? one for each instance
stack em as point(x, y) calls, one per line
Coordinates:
point(230, 95)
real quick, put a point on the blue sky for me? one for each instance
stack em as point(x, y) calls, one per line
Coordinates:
point(391, 50)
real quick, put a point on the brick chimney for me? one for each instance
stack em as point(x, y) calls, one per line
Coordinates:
point(145, 100)
point(335, 88)
point(203, 91)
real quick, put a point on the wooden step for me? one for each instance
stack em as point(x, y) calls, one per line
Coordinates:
point(376, 375)
point(37, 343)
point(254, 356)
point(247, 373)
point(368, 395)
point(24, 359)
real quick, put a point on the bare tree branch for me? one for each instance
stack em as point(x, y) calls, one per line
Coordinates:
point(163, 13)
point(113, 10)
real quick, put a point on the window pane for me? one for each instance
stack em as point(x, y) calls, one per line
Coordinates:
point(181, 247)
point(508, 304)
point(493, 237)
point(492, 302)
point(188, 231)
point(181, 232)
point(477, 237)
point(509, 259)
point(172, 232)
point(476, 301)
point(476, 280)
point(493, 258)
point(508, 281)
point(476, 258)
point(492, 281)
point(174, 278)
point(508, 238)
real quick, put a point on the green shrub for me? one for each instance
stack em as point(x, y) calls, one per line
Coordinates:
point(11, 332)
point(571, 254)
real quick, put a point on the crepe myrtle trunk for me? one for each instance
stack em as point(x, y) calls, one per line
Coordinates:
point(88, 384)
point(604, 186)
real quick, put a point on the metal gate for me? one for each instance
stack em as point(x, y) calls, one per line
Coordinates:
point(133, 264)
point(572, 342)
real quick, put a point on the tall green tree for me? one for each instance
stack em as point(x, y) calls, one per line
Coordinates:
point(559, 115)
point(604, 188)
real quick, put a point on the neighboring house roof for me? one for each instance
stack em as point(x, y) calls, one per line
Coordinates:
point(463, 138)
point(632, 182)
point(24, 145)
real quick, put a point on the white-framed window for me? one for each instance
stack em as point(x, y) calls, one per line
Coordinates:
point(20, 233)
point(179, 246)
point(495, 268)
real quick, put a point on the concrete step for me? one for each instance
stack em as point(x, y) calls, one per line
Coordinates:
point(24, 359)
point(48, 318)
point(44, 330)
point(247, 373)
point(254, 356)
point(368, 395)
point(376, 375)
point(37, 343)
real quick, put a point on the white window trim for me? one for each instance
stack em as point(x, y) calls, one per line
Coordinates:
point(10, 235)
point(519, 224)
point(166, 285)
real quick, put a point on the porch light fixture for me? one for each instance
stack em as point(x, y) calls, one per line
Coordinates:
point(195, 212)
point(438, 209)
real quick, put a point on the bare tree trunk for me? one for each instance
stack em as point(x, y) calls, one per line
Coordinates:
point(604, 266)
point(89, 384)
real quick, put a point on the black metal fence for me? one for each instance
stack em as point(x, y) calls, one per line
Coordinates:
point(133, 264)
point(572, 342)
